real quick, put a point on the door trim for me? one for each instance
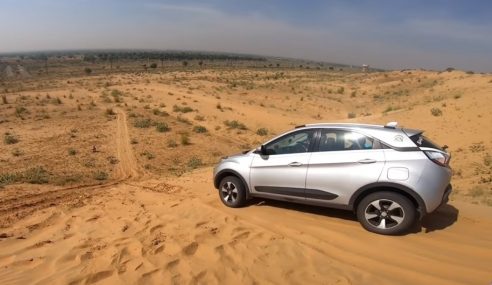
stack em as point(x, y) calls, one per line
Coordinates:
point(297, 192)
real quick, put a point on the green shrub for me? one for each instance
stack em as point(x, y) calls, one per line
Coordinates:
point(116, 92)
point(183, 120)
point(158, 112)
point(185, 139)
point(199, 118)
point(183, 109)
point(17, 152)
point(110, 112)
point(35, 175)
point(351, 115)
point(199, 129)
point(476, 191)
point(100, 175)
point(171, 143)
point(142, 123)
point(477, 147)
point(8, 178)
point(235, 125)
point(56, 101)
point(72, 151)
point(162, 127)
point(112, 159)
point(10, 139)
point(20, 110)
point(436, 112)
point(149, 155)
point(262, 132)
point(194, 162)
point(389, 109)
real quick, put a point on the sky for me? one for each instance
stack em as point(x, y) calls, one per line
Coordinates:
point(389, 34)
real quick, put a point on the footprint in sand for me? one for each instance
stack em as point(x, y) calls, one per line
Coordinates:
point(172, 264)
point(241, 236)
point(96, 277)
point(155, 228)
point(190, 249)
point(200, 224)
point(94, 218)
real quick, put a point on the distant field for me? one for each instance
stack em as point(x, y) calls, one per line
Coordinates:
point(64, 126)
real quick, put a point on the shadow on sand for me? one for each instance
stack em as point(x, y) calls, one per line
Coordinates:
point(442, 218)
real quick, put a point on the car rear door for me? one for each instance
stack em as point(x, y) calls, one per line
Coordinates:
point(343, 161)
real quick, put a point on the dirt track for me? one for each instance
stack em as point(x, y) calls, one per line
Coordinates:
point(150, 231)
point(20, 206)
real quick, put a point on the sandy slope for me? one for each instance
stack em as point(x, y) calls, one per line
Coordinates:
point(139, 230)
point(156, 233)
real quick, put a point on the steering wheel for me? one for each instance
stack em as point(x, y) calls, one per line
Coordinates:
point(302, 145)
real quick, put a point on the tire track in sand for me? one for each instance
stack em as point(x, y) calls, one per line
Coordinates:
point(127, 166)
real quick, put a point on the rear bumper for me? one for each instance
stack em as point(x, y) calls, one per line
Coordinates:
point(445, 196)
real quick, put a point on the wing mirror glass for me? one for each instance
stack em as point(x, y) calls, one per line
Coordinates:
point(261, 150)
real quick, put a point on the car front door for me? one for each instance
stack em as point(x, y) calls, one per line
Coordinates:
point(281, 171)
point(343, 162)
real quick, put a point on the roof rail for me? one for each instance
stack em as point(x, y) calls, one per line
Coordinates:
point(391, 125)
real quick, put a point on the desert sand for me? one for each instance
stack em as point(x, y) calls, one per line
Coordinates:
point(157, 219)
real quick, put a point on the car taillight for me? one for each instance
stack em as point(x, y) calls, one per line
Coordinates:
point(438, 157)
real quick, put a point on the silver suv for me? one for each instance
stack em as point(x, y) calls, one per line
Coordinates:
point(389, 176)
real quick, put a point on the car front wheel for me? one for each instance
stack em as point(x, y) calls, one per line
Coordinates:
point(386, 213)
point(232, 192)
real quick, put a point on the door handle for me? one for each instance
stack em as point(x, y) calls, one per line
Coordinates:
point(366, 161)
point(295, 164)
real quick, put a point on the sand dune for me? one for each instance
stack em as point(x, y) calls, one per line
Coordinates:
point(158, 233)
point(140, 227)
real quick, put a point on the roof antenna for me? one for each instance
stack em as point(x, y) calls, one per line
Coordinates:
point(391, 125)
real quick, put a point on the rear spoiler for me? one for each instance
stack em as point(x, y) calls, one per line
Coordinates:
point(412, 132)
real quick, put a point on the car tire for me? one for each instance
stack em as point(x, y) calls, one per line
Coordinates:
point(232, 192)
point(386, 213)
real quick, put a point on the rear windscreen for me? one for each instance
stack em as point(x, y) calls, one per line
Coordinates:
point(423, 141)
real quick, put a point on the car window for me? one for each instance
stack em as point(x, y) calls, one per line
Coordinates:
point(297, 142)
point(338, 140)
point(423, 141)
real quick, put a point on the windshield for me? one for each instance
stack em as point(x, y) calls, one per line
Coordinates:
point(423, 141)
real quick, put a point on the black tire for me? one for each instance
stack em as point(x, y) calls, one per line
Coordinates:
point(232, 192)
point(396, 213)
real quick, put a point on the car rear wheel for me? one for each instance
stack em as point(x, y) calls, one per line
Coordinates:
point(386, 213)
point(232, 192)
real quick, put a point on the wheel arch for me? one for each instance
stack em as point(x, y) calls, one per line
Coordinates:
point(391, 187)
point(229, 172)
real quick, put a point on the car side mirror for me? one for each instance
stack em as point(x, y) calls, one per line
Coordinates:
point(261, 150)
